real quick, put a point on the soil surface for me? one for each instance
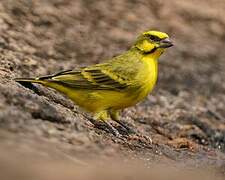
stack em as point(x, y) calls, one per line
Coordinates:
point(180, 125)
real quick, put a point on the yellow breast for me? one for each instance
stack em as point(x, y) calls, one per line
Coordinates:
point(99, 100)
point(149, 76)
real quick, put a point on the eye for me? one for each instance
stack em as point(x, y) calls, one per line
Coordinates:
point(154, 38)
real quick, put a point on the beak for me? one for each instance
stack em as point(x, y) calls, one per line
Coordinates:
point(165, 43)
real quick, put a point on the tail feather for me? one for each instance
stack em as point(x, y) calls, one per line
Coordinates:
point(44, 80)
point(41, 79)
point(27, 82)
point(31, 80)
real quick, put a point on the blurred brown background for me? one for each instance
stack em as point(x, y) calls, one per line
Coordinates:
point(184, 116)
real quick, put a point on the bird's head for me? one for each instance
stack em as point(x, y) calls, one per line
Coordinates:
point(153, 42)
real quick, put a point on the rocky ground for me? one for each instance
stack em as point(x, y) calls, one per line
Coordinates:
point(181, 124)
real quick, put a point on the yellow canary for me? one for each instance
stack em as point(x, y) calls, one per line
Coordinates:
point(105, 89)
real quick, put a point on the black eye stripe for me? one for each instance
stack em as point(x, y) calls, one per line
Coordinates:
point(154, 38)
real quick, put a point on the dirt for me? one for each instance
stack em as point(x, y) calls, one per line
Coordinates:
point(181, 124)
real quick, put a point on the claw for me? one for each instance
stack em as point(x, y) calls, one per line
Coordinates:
point(114, 114)
point(113, 130)
point(125, 127)
point(103, 125)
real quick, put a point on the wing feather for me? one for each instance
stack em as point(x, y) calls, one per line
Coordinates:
point(87, 78)
point(112, 75)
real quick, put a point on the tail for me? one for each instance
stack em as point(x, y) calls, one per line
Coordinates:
point(29, 80)
point(41, 79)
point(48, 81)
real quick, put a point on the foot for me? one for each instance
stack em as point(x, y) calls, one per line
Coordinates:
point(104, 125)
point(128, 129)
point(112, 129)
point(115, 116)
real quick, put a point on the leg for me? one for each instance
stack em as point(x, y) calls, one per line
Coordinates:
point(115, 116)
point(103, 116)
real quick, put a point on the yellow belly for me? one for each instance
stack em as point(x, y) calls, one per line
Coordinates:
point(98, 100)
point(101, 99)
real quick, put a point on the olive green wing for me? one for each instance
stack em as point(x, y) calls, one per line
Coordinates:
point(117, 74)
point(92, 78)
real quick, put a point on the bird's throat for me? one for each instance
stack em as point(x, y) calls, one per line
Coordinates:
point(155, 54)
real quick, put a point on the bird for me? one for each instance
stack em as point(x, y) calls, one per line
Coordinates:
point(105, 89)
